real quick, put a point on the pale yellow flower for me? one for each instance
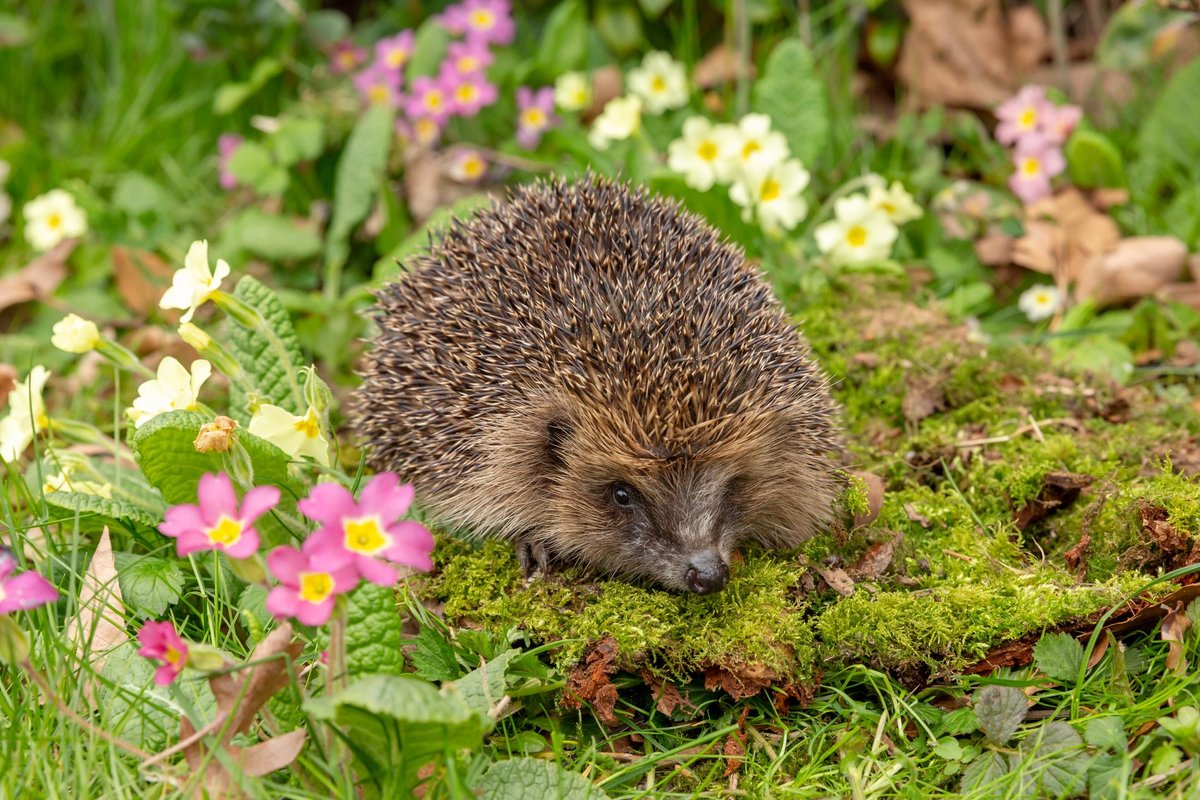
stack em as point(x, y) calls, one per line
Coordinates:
point(772, 193)
point(619, 120)
point(195, 283)
point(74, 334)
point(754, 144)
point(660, 81)
point(573, 91)
point(296, 436)
point(26, 414)
point(859, 233)
point(53, 217)
point(894, 200)
point(174, 389)
point(703, 152)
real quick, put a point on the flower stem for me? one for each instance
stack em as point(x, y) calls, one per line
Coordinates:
point(336, 676)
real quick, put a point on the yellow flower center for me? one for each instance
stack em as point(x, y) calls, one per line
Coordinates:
point(396, 58)
point(315, 587)
point(309, 425)
point(41, 422)
point(427, 130)
point(889, 207)
point(172, 656)
point(226, 532)
point(579, 97)
point(856, 236)
point(54, 220)
point(533, 118)
point(658, 83)
point(482, 19)
point(1028, 118)
point(378, 94)
point(467, 93)
point(468, 64)
point(365, 535)
point(750, 148)
point(1043, 299)
point(434, 99)
point(707, 151)
point(770, 190)
point(1031, 166)
point(472, 166)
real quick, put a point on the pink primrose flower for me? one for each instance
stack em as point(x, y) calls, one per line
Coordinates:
point(468, 57)
point(486, 21)
point(22, 592)
point(160, 641)
point(1036, 162)
point(361, 533)
point(430, 98)
point(379, 86)
point(535, 115)
point(1059, 123)
point(217, 523)
point(392, 52)
point(467, 165)
point(311, 583)
point(346, 57)
point(1022, 114)
point(423, 131)
point(227, 144)
point(469, 93)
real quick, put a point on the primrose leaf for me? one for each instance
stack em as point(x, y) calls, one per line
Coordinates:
point(149, 584)
point(483, 687)
point(1059, 655)
point(359, 175)
point(534, 779)
point(1107, 776)
point(434, 657)
point(95, 512)
point(429, 49)
point(298, 139)
point(373, 631)
point(564, 40)
point(271, 236)
point(1000, 709)
point(1056, 764)
point(792, 95)
point(986, 770)
point(265, 368)
point(1093, 160)
point(1107, 733)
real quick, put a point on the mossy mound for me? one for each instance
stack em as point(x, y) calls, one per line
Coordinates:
point(1019, 497)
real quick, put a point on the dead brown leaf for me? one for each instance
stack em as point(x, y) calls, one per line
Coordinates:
point(1138, 267)
point(734, 751)
point(1076, 557)
point(591, 681)
point(1059, 489)
point(99, 626)
point(667, 698)
point(141, 278)
point(1063, 234)
point(837, 579)
point(1174, 627)
point(719, 66)
point(606, 85)
point(911, 512)
point(925, 396)
point(1187, 293)
point(1162, 532)
point(39, 278)
point(996, 247)
point(740, 682)
point(875, 491)
point(8, 380)
point(876, 559)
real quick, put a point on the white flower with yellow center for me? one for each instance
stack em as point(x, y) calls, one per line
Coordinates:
point(661, 82)
point(296, 436)
point(702, 152)
point(175, 389)
point(1039, 302)
point(26, 414)
point(859, 233)
point(195, 283)
point(619, 120)
point(74, 334)
point(772, 192)
point(894, 200)
point(754, 143)
point(572, 91)
point(53, 217)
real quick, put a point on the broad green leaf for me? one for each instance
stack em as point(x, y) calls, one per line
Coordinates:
point(949, 749)
point(128, 484)
point(1055, 763)
point(298, 139)
point(163, 449)
point(985, 771)
point(1094, 160)
point(483, 687)
point(1108, 776)
point(1130, 36)
point(149, 584)
point(619, 27)
point(429, 48)
point(137, 194)
point(1059, 655)
point(1169, 140)
point(792, 95)
point(373, 631)
point(129, 703)
point(251, 164)
point(328, 26)
point(534, 779)
point(564, 41)
point(359, 175)
point(433, 656)
point(1000, 709)
point(232, 95)
point(272, 362)
point(95, 512)
point(272, 237)
point(960, 722)
point(1107, 733)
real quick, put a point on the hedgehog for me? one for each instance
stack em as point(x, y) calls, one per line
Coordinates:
point(595, 375)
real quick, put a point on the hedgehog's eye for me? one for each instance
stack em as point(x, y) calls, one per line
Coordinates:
point(623, 495)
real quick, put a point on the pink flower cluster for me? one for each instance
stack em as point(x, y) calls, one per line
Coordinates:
point(1037, 130)
point(354, 541)
point(22, 592)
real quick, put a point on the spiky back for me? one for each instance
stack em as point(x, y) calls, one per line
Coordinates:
point(593, 292)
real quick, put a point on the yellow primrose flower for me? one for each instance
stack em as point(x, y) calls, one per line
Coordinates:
point(894, 200)
point(573, 91)
point(1040, 302)
point(754, 143)
point(74, 334)
point(619, 120)
point(859, 233)
point(53, 217)
point(772, 192)
point(195, 283)
point(702, 152)
point(173, 390)
point(660, 81)
point(296, 436)
point(26, 414)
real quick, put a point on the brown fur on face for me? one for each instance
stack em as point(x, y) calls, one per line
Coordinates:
point(586, 343)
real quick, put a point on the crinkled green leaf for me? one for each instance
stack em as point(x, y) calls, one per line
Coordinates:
point(149, 584)
point(1000, 709)
point(95, 511)
point(1170, 139)
point(792, 95)
point(128, 484)
point(434, 656)
point(298, 139)
point(960, 721)
point(534, 779)
point(1108, 776)
point(1060, 656)
point(131, 706)
point(373, 631)
point(1055, 764)
point(163, 449)
point(564, 41)
point(359, 175)
point(1107, 733)
point(275, 378)
point(986, 770)
point(483, 687)
point(1093, 160)
point(948, 749)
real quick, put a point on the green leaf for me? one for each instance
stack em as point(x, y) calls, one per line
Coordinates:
point(137, 194)
point(429, 49)
point(251, 164)
point(960, 722)
point(14, 31)
point(986, 770)
point(1107, 733)
point(149, 584)
point(564, 41)
point(1108, 776)
point(273, 377)
point(96, 512)
point(163, 449)
point(359, 175)
point(792, 95)
point(298, 139)
point(272, 237)
point(619, 27)
point(483, 688)
point(434, 656)
point(373, 631)
point(232, 95)
point(1094, 160)
point(1169, 140)
point(131, 706)
point(1056, 764)
point(949, 749)
point(1000, 709)
point(653, 8)
point(1060, 656)
point(534, 779)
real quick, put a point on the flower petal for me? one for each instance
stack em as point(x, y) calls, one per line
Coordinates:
point(315, 613)
point(257, 502)
point(25, 591)
point(245, 546)
point(328, 503)
point(286, 563)
point(376, 572)
point(217, 498)
point(282, 602)
point(384, 496)
point(182, 518)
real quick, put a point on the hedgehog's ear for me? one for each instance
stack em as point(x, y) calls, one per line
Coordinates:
point(558, 430)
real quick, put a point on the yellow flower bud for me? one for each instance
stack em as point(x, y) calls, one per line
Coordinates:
point(74, 334)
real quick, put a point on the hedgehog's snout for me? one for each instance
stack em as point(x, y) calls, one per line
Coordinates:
point(707, 573)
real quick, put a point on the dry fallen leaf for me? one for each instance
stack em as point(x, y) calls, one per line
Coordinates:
point(926, 395)
point(8, 379)
point(719, 66)
point(1138, 267)
point(837, 579)
point(1174, 628)
point(39, 278)
point(1063, 234)
point(141, 278)
point(875, 490)
point(606, 85)
point(876, 559)
point(98, 627)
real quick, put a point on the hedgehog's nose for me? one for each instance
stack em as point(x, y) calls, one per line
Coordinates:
point(707, 573)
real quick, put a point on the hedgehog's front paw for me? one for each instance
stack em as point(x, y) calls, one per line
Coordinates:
point(534, 559)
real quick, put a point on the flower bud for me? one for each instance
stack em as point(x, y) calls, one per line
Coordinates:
point(316, 391)
point(194, 336)
point(74, 334)
point(216, 436)
point(206, 658)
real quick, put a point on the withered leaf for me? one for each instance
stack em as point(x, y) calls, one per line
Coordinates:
point(875, 491)
point(911, 512)
point(1174, 627)
point(99, 626)
point(141, 278)
point(1158, 529)
point(925, 396)
point(39, 278)
point(740, 682)
point(591, 681)
point(1137, 267)
point(1059, 489)
point(876, 559)
point(837, 579)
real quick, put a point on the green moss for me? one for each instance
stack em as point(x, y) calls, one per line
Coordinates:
point(855, 497)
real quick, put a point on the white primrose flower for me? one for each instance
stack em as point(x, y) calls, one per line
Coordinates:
point(755, 142)
point(195, 283)
point(772, 192)
point(1039, 302)
point(572, 91)
point(859, 233)
point(174, 389)
point(74, 334)
point(26, 414)
point(660, 81)
point(894, 200)
point(53, 217)
point(296, 436)
point(702, 152)
point(619, 120)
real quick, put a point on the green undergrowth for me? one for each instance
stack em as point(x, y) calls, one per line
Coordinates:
point(972, 441)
